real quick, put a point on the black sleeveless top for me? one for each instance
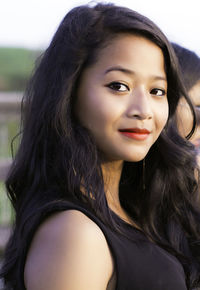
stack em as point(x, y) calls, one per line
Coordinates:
point(139, 264)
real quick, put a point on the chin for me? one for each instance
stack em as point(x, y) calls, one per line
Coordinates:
point(137, 156)
point(130, 155)
point(136, 159)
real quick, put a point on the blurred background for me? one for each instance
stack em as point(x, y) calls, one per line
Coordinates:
point(26, 28)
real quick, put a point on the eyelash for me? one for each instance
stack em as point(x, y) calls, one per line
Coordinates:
point(115, 86)
point(163, 92)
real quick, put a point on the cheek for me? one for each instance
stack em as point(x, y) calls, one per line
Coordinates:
point(162, 115)
point(95, 112)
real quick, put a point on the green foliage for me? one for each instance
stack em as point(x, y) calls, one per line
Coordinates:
point(16, 65)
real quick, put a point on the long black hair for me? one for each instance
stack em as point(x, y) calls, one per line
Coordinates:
point(57, 156)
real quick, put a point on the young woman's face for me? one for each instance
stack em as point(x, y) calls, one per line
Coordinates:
point(122, 98)
point(185, 119)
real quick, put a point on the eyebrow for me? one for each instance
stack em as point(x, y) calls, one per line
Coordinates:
point(131, 72)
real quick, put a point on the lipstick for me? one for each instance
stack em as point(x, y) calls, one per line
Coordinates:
point(135, 133)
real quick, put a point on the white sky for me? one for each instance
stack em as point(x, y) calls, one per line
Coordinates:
point(32, 23)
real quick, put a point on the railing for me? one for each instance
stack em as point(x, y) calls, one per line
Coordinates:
point(4, 167)
point(9, 113)
point(9, 126)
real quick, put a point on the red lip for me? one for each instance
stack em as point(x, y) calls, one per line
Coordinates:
point(135, 133)
point(135, 130)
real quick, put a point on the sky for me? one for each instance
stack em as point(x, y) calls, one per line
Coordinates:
point(32, 23)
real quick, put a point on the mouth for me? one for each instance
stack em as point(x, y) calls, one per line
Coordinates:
point(135, 133)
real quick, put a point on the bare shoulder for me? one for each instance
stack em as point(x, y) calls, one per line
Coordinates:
point(69, 223)
point(69, 251)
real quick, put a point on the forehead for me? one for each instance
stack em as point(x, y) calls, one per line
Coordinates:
point(134, 52)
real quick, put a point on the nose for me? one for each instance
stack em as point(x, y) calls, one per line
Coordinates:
point(140, 106)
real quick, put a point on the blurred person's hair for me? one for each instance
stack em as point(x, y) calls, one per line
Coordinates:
point(189, 63)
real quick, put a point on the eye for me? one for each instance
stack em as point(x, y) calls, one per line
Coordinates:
point(117, 86)
point(158, 92)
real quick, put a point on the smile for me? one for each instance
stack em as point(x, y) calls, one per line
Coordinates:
point(135, 133)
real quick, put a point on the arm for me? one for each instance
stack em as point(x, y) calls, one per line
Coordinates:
point(68, 252)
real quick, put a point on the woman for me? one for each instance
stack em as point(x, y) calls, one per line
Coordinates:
point(190, 69)
point(103, 186)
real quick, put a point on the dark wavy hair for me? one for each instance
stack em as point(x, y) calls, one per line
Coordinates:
point(189, 63)
point(57, 157)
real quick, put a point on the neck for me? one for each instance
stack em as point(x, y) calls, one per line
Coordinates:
point(111, 175)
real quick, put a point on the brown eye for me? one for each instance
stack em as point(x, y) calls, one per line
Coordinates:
point(158, 92)
point(116, 86)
